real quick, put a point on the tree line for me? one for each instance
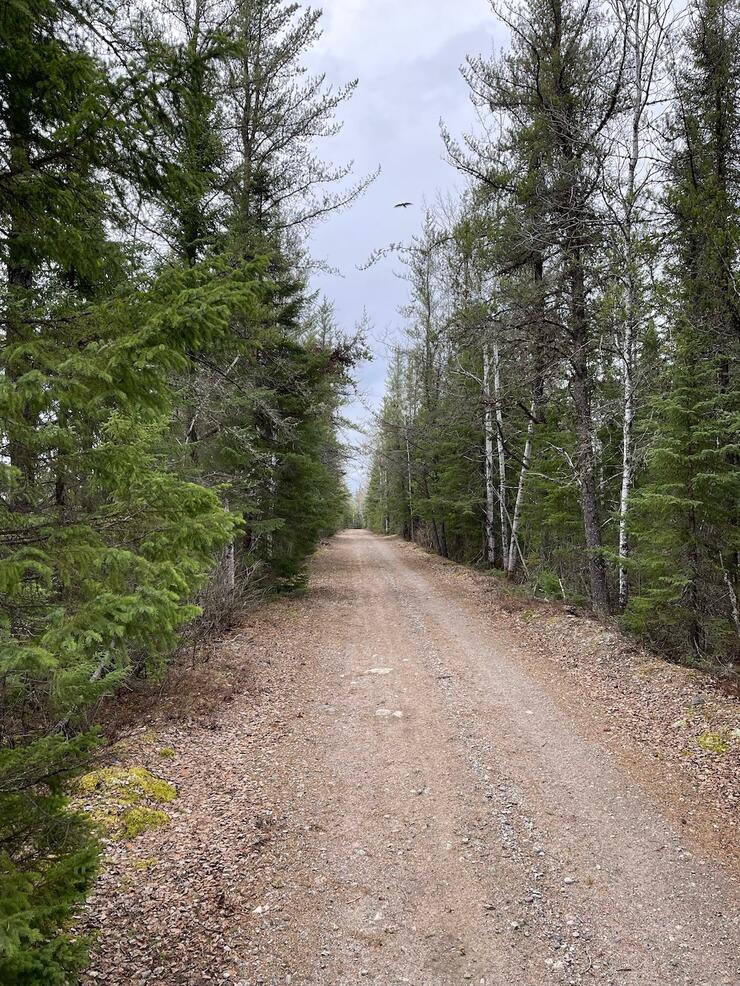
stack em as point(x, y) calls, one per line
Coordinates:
point(170, 388)
point(564, 406)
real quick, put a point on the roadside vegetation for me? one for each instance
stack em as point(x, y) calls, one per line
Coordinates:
point(170, 389)
point(564, 407)
point(562, 411)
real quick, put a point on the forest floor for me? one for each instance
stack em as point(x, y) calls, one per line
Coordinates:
point(407, 776)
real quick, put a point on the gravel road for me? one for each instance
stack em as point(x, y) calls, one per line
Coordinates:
point(413, 807)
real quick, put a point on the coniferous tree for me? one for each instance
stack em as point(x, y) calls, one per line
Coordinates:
point(164, 389)
point(250, 400)
point(602, 348)
point(557, 90)
point(687, 524)
point(103, 543)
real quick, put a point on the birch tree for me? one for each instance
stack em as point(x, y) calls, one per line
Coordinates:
point(644, 24)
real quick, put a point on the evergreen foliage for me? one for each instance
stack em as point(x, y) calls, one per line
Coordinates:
point(169, 409)
point(687, 509)
point(564, 406)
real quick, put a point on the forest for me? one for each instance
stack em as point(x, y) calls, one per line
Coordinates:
point(564, 406)
point(170, 389)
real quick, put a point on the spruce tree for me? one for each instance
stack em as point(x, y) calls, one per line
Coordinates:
point(103, 543)
point(687, 521)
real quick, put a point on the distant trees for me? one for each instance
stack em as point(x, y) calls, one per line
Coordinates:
point(169, 390)
point(584, 299)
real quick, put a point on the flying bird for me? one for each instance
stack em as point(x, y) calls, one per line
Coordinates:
point(402, 205)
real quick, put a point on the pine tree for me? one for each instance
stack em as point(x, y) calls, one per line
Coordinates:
point(556, 91)
point(114, 512)
point(238, 117)
point(277, 185)
point(187, 49)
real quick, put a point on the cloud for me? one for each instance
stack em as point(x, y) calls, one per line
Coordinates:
point(377, 34)
point(406, 54)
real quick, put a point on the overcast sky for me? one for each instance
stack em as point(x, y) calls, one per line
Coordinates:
point(406, 54)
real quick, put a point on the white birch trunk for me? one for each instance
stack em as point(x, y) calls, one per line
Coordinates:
point(384, 497)
point(732, 595)
point(517, 518)
point(488, 441)
point(628, 343)
point(410, 486)
point(628, 415)
point(271, 487)
point(501, 455)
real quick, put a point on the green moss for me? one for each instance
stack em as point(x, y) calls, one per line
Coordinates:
point(166, 752)
point(127, 784)
point(120, 799)
point(146, 863)
point(714, 742)
point(140, 819)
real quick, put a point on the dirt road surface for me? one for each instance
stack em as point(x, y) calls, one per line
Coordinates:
point(402, 801)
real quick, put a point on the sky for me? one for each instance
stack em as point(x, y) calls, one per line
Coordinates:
point(406, 55)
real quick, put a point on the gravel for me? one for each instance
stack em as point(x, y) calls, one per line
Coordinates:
point(533, 816)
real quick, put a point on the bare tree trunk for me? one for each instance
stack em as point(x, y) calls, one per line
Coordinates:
point(731, 595)
point(589, 500)
point(20, 455)
point(514, 550)
point(439, 546)
point(18, 331)
point(581, 390)
point(230, 561)
point(384, 498)
point(410, 485)
point(628, 414)
point(538, 388)
point(503, 515)
point(271, 490)
point(633, 18)
point(488, 448)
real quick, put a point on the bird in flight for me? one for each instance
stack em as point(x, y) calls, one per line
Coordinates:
point(402, 205)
